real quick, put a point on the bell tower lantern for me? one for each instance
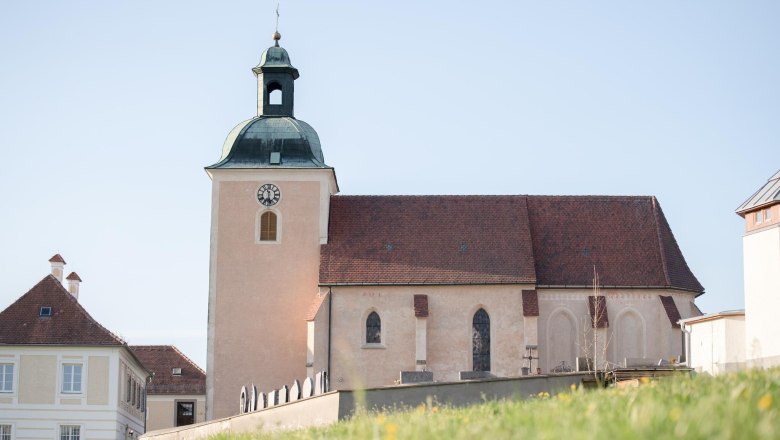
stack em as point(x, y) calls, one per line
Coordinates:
point(275, 81)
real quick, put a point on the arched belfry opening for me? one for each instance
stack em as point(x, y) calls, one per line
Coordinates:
point(275, 82)
point(274, 93)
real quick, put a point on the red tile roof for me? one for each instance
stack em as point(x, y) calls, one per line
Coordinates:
point(550, 240)
point(421, 306)
point(314, 307)
point(161, 360)
point(57, 258)
point(597, 307)
point(69, 323)
point(73, 277)
point(530, 303)
point(671, 310)
point(427, 240)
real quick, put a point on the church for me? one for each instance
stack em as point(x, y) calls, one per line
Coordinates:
point(366, 287)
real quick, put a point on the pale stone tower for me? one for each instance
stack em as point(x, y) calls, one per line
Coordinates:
point(270, 201)
point(761, 251)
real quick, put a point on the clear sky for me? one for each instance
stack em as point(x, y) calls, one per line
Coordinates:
point(110, 110)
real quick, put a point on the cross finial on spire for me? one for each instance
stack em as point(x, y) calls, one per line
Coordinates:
point(277, 35)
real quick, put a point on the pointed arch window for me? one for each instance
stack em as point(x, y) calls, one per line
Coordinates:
point(373, 329)
point(480, 340)
point(268, 226)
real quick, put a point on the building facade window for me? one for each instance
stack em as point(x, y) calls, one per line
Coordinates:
point(71, 378)
point(268, 226)
point(373, 329)
point(185, 413)
point(480, 340)
point(70, 432)
point(5, 432)
point(6, 378)
point(758, 217)
point(768, 214)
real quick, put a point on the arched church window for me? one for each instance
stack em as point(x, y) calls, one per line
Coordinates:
point(268, 226)
point(480, 340)
point(373, 329)
point(274, 93)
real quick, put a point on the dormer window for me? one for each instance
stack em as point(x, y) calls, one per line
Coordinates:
point(768, 215)
point(758, 217)
point(176, 371)
point(45, 311)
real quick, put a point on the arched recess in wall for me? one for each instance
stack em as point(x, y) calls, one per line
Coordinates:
point(628, 333)
point(561, 339)
point(268, 226)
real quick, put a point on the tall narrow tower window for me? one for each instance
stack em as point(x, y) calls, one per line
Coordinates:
point(268, 226)
point(373, 329)
point(480, 340)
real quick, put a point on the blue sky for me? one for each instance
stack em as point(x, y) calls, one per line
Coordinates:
point(110, 111)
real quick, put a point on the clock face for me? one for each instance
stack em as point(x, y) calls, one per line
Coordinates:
point(268, 194)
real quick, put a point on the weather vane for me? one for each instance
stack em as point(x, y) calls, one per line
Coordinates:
point(277, 35)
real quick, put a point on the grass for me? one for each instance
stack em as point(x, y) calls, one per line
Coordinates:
point(737, 406)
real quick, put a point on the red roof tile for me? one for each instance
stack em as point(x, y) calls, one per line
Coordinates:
point(73, 277)
point(627, 239)
point(671, 310)
point(427, 240)
point(597, 307)
point(161, 360)
point(552, 240)
point(314, 307)
point(421, 306)
point(57, 258)
point(69, 323)
point(530, 303)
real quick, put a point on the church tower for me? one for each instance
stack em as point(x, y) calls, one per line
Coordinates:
point(270, 201)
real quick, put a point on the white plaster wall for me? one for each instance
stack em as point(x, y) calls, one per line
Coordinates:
point(449, 338)
point(97, 421)
point(762, 295)
point(638, 325)
point(717, 345)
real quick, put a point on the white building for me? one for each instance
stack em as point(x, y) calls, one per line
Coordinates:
point(63, 375)
point(715, 343)
point(761, 249)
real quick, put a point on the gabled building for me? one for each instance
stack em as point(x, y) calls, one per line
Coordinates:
point(62, 374)
point(366, 287)
point(761, 253)
point(176, 393)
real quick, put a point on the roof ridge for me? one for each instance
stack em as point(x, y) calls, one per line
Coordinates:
point(551, 196)
point(188, 359)
point(661, 249)
point(90, 318)
point(60, 289)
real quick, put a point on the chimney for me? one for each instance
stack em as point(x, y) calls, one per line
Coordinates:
point(73, 284)
point(57, 266)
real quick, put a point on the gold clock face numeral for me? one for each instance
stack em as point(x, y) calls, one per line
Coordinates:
point(268, 194)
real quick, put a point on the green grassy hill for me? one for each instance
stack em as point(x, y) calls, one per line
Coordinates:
point(738, 406)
